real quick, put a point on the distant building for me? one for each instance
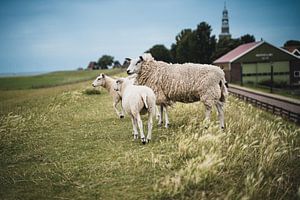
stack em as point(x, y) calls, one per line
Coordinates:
point(293, 49)
point(93, 65)
point(225, 25)
point(251, 63)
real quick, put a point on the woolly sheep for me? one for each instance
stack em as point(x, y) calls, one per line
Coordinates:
point(137, 100)
point(107, 82)
point(182, 82)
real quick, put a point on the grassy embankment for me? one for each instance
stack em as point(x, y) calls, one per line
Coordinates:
point(50, 79)
point(59, 143)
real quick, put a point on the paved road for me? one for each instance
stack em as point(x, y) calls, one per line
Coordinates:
point(290, 106)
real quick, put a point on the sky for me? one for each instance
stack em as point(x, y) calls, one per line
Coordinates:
point(42, 36)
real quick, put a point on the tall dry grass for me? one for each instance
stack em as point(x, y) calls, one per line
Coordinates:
point(61, 143)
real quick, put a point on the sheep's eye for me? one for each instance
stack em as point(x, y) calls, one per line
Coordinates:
point(138, 62)
point(99, 79)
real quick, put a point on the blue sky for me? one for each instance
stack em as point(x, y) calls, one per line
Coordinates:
point(41, 35)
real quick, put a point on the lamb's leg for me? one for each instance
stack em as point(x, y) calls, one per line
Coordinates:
point(122, 110)
point(116, 109)
point(219, 106)
point(135, 131)
point(157, 113)
point(166, 116)
point(140, 124)
point(150, 124)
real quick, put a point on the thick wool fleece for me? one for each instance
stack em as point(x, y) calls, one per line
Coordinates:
point(182, 82)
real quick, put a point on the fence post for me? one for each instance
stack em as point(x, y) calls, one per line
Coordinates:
point(272, 78)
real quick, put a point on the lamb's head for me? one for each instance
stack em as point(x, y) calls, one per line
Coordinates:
point(136, 64)
point(119, 84)
point(99, 81)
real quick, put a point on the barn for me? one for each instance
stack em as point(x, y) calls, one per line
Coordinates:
point(258, 63)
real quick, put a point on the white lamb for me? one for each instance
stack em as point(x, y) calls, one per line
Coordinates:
point(108, 82)
point(137, 100)
point(182, 82)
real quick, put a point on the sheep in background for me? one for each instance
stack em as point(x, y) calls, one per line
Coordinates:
point(107, 82)
point(182, 82)
point(137, 100)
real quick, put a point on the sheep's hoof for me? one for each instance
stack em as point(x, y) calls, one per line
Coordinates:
point(121, 116)
point(143, 141)
point(167, 125)
point(148, 140)
point(135, 137)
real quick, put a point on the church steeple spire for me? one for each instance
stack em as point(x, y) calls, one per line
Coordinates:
point(225, 24)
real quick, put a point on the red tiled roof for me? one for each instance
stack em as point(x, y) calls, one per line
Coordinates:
point(237, 52)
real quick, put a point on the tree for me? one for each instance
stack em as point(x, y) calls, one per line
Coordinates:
point(117, 64)
point(173, 53)
point(292, 43)
point(160, 52)
point(194, 45)
point(181, 50)
point(105, 61)
point(247, 38)
point(205, 43)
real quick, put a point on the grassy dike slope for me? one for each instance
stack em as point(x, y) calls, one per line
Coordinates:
point(59, 143)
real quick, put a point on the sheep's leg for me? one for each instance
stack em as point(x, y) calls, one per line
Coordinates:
point(140, 124)
point(166, 116)
point(160, 122)
point(135, 131)
point(219, 106)
point(208, 109)
point(150, 124)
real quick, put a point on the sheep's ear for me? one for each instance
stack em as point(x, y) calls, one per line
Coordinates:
point(128, 59)
point(103, 76)
point(141, 58)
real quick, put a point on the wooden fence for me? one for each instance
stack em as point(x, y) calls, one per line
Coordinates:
point(295, 117)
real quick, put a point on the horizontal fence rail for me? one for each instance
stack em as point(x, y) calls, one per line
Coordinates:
point(295, 117)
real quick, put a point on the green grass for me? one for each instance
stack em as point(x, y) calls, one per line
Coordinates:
point(60, 143)
point(50, 79)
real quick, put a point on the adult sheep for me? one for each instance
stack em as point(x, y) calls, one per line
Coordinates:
point(185, 83)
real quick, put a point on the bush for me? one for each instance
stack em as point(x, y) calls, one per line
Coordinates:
point(91, 91)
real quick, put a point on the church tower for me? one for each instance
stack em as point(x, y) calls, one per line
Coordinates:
point(225, 25)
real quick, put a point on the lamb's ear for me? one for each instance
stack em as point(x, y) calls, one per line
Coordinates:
point(103, 75)
point(119, 81)
point(141, 58)
point(128, 59)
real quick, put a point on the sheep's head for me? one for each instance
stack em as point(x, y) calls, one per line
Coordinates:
point(136, 64)
point(99, 81)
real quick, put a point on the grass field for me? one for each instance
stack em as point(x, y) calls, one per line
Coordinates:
point(50, 79)
point(60, 143)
